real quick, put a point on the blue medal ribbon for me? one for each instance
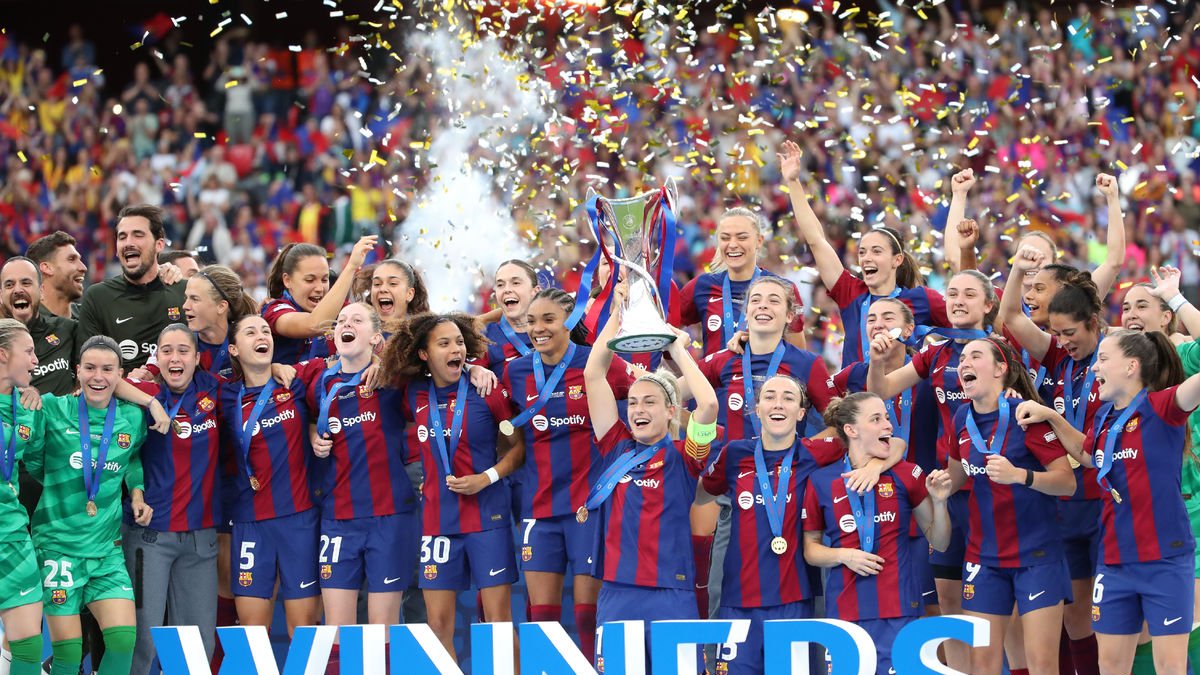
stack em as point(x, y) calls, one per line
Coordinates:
point(608, 480)
point(93, 474)
point(903, 424)
point(8, 460)
point(1077, 414)
point(862, 321)
point(247, 431)
point(545, 387)
point(920, 332)
point(1105, 462)
point(327, 398)
point(996, 445)
point(863, 508)
point(728, 325)
point(221, 358)
point(436, 426)
point(174, 409)
point(510, 334)
point(775, 501)
point(748, 382)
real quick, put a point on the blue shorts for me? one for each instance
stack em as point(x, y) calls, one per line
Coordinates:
point(381, 549)
point(1079, 526)
point(946, 564)
point(747, 658)
point(883, 634)
point(227, 495)
point(923, 570)
point(284, 546)
point(994, 590)
point(622, 602)
point(455, 562)
point(558, 544)
point(1158, 592)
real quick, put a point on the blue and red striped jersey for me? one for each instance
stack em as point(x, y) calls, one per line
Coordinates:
point(938, 363)
point(896, 591)
point(703, 303)
point(645, 525)
point(724, 371)
point(1009, 525)
point(561, 458)
point(279, 450)
point(923, 423)
point(445, 512)
point(1045, 388)
point(293, 350)
point(181, 466)
point(1058, 365)
point(927, 305)
point(1151, 522)
point(211, 354)
point(367, 464)
point(755, 576)
point(501, 350)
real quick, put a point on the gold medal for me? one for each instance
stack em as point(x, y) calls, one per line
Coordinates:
point(176, 428)
point(254, 484)
point(507, 428)
point(1115, 495)
point(581, 515)
point(779, 546)
point(91, 508)
point(1073, 462)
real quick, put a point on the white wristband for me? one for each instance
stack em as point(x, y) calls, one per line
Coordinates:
point(1176, 302)
point(492, 474)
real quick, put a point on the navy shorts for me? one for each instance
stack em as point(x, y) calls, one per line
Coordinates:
point(994, 590)
point(227, 495)
point(623, 602)
point(456, 562)
point(947, 564)
point(285, 547)
point(559, 544)
point(380, 549)
point(923, 569)
point(883, 634)
point(1079, 526)
point(1158, 592)
point(747, 658)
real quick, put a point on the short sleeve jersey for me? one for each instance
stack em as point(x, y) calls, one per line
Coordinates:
point(1060, 366)
point(703, 303)
point(293, 350)
point(26, 433)
point(850, 292)
point(724, 371)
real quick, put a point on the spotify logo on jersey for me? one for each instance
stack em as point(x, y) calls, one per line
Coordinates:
point(335, 425)
point(745, 500)
point(714, 323)
point(540, 422)
point(847, 524)
point(735, 401)
point(422, 433)
point(129, 349)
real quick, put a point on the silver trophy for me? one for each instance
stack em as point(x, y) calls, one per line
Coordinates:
point(638, 233)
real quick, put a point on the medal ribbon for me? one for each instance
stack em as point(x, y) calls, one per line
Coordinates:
point(247, 432)
point(996, 445)
point(436, 426)
point(8, 460)
point(1077, 414)
point(748, 383)
point(174, 410)
point(608, 480)
point(545, 387)
point(1114, 434)
point(327, 399)
point(510, 334)
point(728, 324)
point(775, 501)
point(93, 474)
point(862, 321)
point(864, 512)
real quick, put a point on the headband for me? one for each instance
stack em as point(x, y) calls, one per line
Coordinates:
point(672, 396)
point(212, 281)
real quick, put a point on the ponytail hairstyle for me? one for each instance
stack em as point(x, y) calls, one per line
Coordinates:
point(666, 381)
point(102, 342)
point(1155, 353)
point(182, 328)
point(1173, 323)
point(789, 293)
point(285, 263)
point(565, 302)
point(760, 226)
point(525, 267)
point(1061, 272)
point(420, 301)
point(401, 358)
point(908, 275)
point(227, 287)
point(989, 295)
point(844, 410)
point(9, 328)
point(1079, 299)
point(1017, 378)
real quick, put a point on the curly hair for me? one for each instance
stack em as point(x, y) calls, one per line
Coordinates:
point(401, 358)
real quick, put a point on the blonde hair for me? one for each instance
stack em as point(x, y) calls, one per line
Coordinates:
point(670, 386)
point(8, 332)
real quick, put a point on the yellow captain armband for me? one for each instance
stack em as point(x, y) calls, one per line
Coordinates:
point(701, 434)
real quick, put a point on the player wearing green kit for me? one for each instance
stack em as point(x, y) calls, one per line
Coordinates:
point(20, 601)
point(90, 445)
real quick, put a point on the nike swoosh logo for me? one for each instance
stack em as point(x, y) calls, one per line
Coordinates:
point(388, 581)
point(712, 300)
point(121, 321)
point(927, 593)
point(126, 588)
point(420, 408)
point(27, 591)
point(307, 584)
point(1035, 596)
point(735, 378)
point(72, 432)
point(589, 560)
point(839, 500)
point(1168, 622)
point(495, 572)
point(743, 474)
point(939, 369)
point(531, 397)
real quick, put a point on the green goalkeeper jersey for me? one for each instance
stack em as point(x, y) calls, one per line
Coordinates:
point(61, 522)
point(14, 521)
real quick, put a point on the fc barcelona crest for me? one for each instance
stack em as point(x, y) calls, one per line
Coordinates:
point(283, 396)
point(526, 553)
point(58, 596)
point(326, 571)
point(206, 404)
point(365, 391)
point(53, 339)
point(124, 440)
point(886, 490)
point(968, 591)
point(431, 572)
point(23, 431)
point(245, 579)
point(1095, 613)
point(173, 313)
point(1132, 426)
point(575, 392)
